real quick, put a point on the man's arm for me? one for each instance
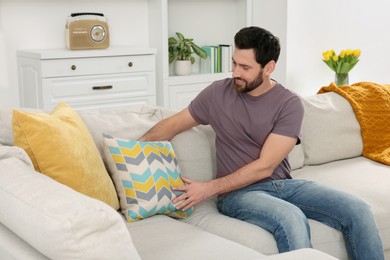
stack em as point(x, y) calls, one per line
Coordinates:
point(275, 149)
point(169, 127)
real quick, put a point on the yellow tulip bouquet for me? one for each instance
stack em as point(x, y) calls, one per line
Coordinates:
point(341, 64)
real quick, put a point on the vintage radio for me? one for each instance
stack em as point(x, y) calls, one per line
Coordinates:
point(87, 31)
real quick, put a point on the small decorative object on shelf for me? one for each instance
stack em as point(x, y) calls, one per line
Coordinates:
point(341, 64)
point(182, 49)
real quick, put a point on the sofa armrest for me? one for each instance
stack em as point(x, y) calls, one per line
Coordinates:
point(57, 221)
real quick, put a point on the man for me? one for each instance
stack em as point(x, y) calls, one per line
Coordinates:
point(257, 123)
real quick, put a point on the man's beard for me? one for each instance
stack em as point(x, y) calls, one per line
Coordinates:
point(249, 86)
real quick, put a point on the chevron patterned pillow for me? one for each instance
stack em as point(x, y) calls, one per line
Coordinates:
point(144, 174)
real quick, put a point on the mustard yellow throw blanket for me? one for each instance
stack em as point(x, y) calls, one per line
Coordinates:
point(371, 104)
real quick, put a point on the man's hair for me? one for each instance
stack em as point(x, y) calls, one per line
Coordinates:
point(264, 43)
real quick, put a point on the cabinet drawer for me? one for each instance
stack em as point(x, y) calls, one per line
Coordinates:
point(74, 90)
point(124, 102)
point(97, 65)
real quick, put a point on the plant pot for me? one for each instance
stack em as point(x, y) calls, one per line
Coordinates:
point(182, 67)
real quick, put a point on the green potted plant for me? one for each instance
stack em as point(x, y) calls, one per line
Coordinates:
point(181, 50)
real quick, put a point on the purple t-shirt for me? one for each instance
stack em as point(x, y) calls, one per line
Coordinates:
point(242, 123)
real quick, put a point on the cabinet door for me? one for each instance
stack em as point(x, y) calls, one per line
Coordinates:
point(181, 96)
point(183, 89)
point(87, 91)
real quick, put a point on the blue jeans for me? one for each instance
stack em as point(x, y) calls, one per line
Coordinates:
point(282, 207)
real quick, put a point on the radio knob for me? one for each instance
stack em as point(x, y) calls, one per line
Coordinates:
point(73, 67)
point(98, 33)
point(130, 64)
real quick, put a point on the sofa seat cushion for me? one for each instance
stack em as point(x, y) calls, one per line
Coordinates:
point(362, 177)
point(207, 217)
point(57, 221)
point(304, 253)
point(161, 237)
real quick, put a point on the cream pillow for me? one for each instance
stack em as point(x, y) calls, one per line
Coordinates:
point(61, 147)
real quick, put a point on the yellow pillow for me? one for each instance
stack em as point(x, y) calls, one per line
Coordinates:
point(60, 146)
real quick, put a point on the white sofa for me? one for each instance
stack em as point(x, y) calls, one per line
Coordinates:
point(42, 219)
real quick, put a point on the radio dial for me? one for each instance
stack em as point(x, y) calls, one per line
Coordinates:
point(98, 33)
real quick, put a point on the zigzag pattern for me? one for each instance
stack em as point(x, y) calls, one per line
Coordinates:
point(148, 171)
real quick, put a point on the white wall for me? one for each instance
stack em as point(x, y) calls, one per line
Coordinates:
point(40, 24)
point(272, 15)
point(315, 26)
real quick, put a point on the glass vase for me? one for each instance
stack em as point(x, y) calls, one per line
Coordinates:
point(341, 79)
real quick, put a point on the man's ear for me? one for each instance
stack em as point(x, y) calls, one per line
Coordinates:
point(269, 68)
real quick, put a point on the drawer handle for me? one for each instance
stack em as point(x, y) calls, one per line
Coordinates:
point(130, 64)
point(73, 67)
point(102, 87)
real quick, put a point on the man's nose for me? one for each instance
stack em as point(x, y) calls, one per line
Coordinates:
point(236, 72)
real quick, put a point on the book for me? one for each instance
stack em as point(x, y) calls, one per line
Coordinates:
point(208, 65)
point(219, 58)
point(226, 57)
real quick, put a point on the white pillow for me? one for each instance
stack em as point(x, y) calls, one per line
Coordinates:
point(58, 221)
point(330, 129)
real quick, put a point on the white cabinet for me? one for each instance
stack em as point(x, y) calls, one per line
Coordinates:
point(183, 89)
point(110, 77)
point(210, 22)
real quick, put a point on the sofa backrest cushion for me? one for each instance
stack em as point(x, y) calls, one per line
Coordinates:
point(330, 129)
point(195, 150)
point(127, 123)
point(296, 157)
point(58, 221)
point(6, 136)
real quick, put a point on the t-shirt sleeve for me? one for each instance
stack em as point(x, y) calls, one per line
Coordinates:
point(289, 122)
point(200, 106)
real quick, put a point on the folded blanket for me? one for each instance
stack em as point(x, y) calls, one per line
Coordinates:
point(371, 104)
